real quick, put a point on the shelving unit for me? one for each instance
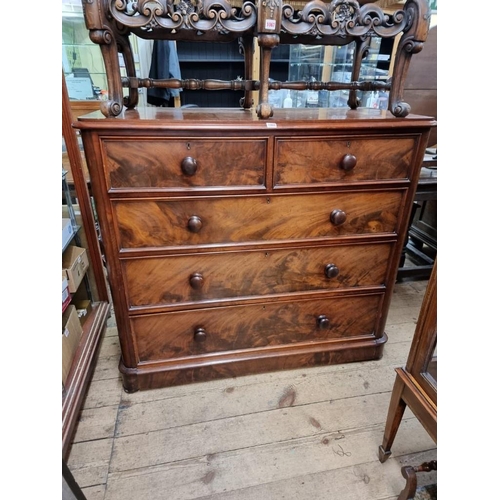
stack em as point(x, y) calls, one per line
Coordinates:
point(203, 60)
point(93, 328)
point(74, 237)
point(72, 229)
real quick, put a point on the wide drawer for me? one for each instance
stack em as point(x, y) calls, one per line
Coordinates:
point(207, 276)
point(212, 220)
point(169, 163)
point(326, 160)
point(188, 333)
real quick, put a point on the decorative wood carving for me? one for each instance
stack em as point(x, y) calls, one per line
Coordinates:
point(339, 22)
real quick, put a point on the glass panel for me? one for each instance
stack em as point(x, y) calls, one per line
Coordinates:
point(335, 63)
point(430, 373)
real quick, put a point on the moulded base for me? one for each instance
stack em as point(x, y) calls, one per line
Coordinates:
point(189, 370)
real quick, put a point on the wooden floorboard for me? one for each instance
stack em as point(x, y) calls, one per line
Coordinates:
point(299, 434)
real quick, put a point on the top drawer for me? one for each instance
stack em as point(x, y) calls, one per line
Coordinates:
point(326, 160)
point(184, 163)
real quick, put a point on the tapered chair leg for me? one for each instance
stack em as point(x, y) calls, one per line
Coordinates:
point(394, 416)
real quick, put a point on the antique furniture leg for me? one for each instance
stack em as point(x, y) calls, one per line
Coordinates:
point(246, 46)
point(410, 474)
point(395, 414)
point(267, 43)
point(269, 25)
point(362, 49)
point(70, 488)
point(124, 47)
point(101, 33)
point(411, 43)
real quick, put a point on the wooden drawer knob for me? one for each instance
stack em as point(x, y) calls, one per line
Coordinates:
point(323, 322)
point(331, 271)
point(196, 281)
point(338, 217)
point(348, 162)
point(200, 335)
point(189, 166)
point(194, 224)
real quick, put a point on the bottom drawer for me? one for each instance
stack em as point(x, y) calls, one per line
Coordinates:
point(257, 326)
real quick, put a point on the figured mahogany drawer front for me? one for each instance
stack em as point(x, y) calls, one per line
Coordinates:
point(329, 161)
point(195, 221)
point(198, 277)
point(188, 333)
point(164, 163)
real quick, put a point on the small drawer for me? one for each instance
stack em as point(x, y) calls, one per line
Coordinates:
point(201, 277)
point(329, 161)
point(214, 220)
point(222, 329)
point(167, 163)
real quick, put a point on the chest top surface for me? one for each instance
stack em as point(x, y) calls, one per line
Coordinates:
point(227, 119)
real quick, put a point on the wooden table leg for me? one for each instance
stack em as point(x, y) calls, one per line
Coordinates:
point(395, 414)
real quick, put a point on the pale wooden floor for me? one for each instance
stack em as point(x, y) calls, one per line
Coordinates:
point(308, 434)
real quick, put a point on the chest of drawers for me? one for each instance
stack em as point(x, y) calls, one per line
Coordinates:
point(236, 245)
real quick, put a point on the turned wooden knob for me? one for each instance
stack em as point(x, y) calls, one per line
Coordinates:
point(196, 281)
point(338, 217)
point(331, 271)
point(348, 162)
point(189, 166)
point(200, 335)
point(194, 224)
point(323, 322)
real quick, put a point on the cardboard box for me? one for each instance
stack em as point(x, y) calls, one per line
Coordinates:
point(83, 309)
point(66, 297)
point(71, 335)
point(75, 263)
point(67, 232)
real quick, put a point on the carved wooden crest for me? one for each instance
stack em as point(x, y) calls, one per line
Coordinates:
point(338, 22)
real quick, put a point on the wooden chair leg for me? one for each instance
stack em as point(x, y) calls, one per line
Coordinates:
point(394, 416)
point(410, 474)
point(410, 489)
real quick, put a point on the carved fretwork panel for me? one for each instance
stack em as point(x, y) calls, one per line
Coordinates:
point(271, 22)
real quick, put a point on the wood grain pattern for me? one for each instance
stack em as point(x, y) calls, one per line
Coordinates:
point(166, 280)
point(143, 163)
point(196, 248)
point(159, 223)
point(318, 160)
point(210, 475)
point(171, 335)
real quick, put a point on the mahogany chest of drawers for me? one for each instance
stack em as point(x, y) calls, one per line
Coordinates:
point(236, 245)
